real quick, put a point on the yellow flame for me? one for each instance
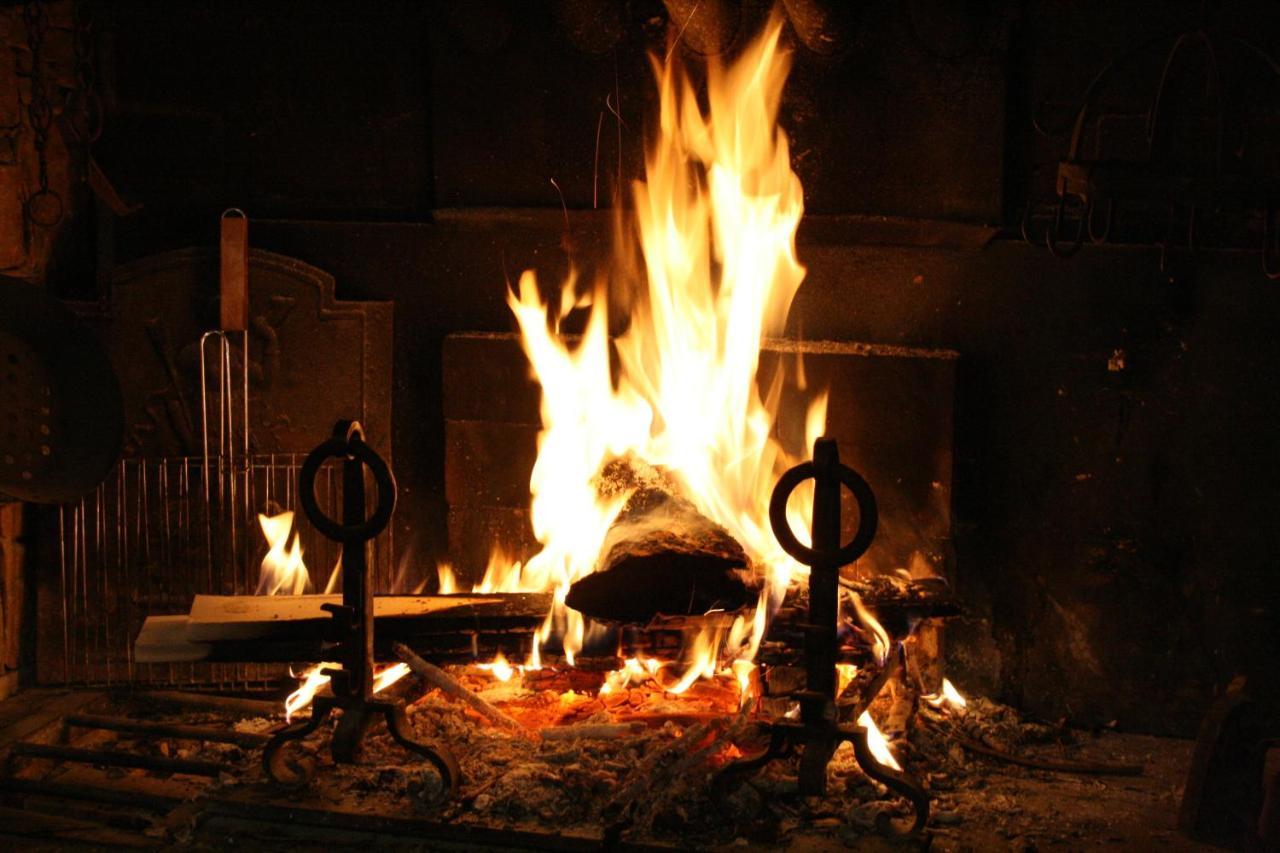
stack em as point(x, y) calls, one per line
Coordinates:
point(845, 673)
point(633, 670)
point(880, 637)
point(879, 746)
point(389, 676)
point(314, 680)
point(742, 670)
point(283, 571)
point(499, 668)
point(948, 696)
point(534, 663)
point(448, 581)
point(702, 664)
point(715, 220)
point(502, 574)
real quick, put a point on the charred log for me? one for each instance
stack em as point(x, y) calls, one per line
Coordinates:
point(661, 556)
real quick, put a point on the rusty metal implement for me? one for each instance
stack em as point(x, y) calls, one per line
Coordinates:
point(818, 730)
point(352, 628)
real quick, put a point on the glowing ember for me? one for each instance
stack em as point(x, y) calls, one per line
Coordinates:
point(948, 696)
point(715, 220)
point(283, 572)
point(314, 680)
point(879, 746)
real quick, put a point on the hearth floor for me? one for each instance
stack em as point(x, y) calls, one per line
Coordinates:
point(521, 794)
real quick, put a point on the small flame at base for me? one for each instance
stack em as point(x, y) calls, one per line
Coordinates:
point(314, 680)
point(879, 746)
point(499, 668)
point(948, 697)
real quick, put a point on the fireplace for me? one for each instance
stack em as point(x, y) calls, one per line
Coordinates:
point(636, 424)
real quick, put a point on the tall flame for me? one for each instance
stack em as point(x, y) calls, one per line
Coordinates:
point(283, 572)
point(715, 220)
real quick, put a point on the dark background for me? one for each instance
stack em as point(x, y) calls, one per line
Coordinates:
point(1114, 527)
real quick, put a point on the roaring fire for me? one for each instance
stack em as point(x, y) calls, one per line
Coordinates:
point(283, 572)
point(715, 220)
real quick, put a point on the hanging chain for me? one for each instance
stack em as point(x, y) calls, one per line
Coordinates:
point(84, 104)
point(44, 208)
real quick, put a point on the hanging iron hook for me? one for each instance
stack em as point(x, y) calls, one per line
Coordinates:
point(1053, 236)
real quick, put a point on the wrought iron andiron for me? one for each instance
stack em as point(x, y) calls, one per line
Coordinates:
point(818, 730)
point(352, 626)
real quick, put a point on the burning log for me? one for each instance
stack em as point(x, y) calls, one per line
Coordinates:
point(661, 555)
point(437, 677)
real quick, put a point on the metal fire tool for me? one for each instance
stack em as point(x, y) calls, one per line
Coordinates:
point(818, 730)
point(353, 624)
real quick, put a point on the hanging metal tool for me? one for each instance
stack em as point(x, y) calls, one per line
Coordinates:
point(1091, 186)
point(352, 627)
point(818, 730)
point(229, 485)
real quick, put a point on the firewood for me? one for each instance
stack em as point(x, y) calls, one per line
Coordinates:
point(593, 731)
point(902, 709)
point(437, 677)
point(251, 617)
point(660, 556)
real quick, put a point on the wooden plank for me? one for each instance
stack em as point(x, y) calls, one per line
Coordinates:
point(456, 640)
point(163, 639)
point(246, 617)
